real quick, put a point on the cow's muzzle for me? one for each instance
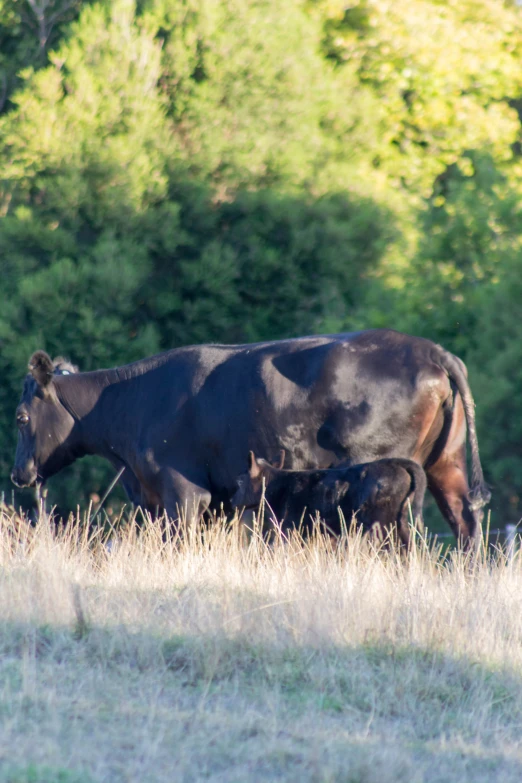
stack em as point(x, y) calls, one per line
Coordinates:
point(24, 478)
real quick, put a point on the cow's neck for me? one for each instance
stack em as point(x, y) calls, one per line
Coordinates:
point(98, 402)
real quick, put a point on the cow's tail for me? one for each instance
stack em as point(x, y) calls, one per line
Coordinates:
point(479, 493)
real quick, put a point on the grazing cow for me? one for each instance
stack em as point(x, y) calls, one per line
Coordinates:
point(378, 492)
point(181, 422)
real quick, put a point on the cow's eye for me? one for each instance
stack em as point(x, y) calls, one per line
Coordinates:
point(22, 419)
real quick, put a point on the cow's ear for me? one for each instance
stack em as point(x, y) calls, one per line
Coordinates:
point(41, 368)
point(254, 468)
point(279, 461)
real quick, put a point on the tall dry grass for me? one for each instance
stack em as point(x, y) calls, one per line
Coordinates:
point(125, 656)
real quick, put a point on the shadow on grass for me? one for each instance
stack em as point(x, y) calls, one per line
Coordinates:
point(377, 679)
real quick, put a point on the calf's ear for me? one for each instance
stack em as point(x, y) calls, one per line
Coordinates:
point(42, 368)
point(254, 468)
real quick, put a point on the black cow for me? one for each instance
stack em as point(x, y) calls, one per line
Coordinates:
point(377, 492)
point(181, 422)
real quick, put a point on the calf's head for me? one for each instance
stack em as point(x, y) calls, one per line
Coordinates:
point(250, 484)
point(44, 425)
point(379, 496)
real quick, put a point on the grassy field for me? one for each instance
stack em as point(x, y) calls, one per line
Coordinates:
point(203, 659)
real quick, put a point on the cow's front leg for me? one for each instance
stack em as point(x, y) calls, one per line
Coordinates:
point(129, 481)
point(132, 487)
point(183, 498)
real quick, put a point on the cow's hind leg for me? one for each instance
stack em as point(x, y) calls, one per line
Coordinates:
point(448, 483)
point(132, 487)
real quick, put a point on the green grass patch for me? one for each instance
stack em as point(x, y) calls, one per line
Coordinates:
point(36, 774)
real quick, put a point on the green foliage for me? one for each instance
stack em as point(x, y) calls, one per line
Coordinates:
point(259, 267)
point(425, 61)
point(28, 28)
point(496, 371)
point(469, 232)
point(102, 155)
point(247, 90)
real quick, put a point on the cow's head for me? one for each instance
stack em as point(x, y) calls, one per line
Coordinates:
point(44, 425)
point(250, 484)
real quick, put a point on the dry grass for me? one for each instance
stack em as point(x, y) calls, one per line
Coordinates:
point(201, 659)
